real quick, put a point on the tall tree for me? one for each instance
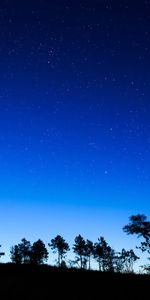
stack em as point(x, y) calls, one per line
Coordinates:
point(104, 255)
point(89, 247)
point(59, 245)
point(25, 250)
point(128, 259)
point(39, 253)
point(16, 255)
point(118, 262)
point(98, 253)
point(80, 249)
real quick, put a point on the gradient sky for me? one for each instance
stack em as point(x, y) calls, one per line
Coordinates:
point(74, 119)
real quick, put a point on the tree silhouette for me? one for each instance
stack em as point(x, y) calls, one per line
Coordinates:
point(107, 258)
point(39, 253)
point(80, 249)
point(104, 255)
point(140, 226)
point(59, 245)
point(128, 259)
point(16, 255)
point(25, 249)
point(89, 248)
point(118, 262)
point(98, 253)
point(109, 264)
point(2, 253)
point(21, 253)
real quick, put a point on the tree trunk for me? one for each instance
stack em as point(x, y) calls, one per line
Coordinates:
point(89, 263)
point(81, 261)
point(99, 263)
point(58, 259)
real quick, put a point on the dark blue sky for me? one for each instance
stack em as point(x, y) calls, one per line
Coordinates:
point(74, 118)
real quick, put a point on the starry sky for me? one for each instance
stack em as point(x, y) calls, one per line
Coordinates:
point(74, 119)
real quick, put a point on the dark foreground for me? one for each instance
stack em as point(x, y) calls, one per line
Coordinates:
point(44, 282)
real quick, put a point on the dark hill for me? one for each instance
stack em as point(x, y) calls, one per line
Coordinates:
point(45, 282)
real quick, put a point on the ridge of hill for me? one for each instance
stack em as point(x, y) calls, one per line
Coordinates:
point(47, 282)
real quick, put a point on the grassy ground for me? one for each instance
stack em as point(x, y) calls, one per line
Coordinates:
point(44, 282)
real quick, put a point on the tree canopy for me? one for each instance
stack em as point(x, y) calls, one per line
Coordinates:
point(139, 225)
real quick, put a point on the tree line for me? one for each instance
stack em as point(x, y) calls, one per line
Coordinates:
point(85, 250)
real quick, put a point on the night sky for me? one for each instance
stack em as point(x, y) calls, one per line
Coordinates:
point(74, 119)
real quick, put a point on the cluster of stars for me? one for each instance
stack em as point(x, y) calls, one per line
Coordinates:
point(84, 61)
